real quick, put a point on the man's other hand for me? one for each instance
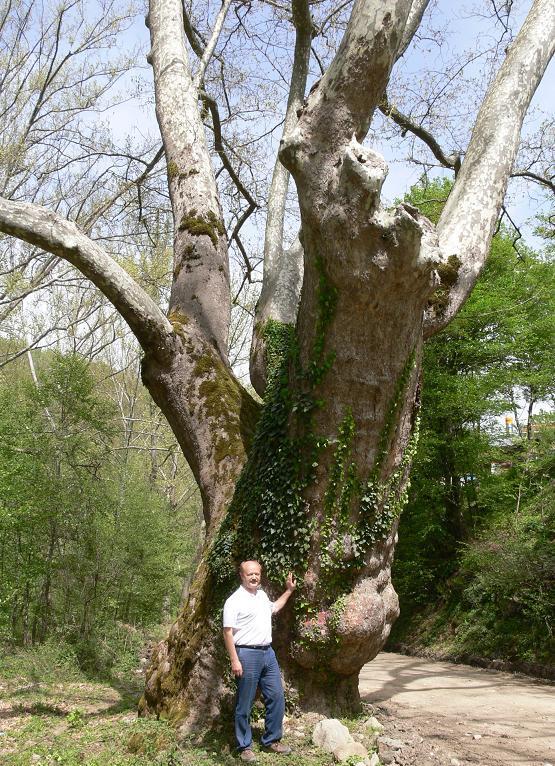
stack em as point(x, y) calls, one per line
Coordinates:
point(291, 582)
point(237, 668)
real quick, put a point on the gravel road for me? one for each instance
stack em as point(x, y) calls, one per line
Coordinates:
point(445, 713)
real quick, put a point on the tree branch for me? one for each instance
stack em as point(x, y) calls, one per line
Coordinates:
point(95, 214)
point(343, 102)
point(413, 22)
point(542, 180)
point(273, 243)
point(209, 49)
point(226, 162)
point(201, 286)
point(192, 35)
point(468, 219)
point(37, 386)
point(505, 213)
point(452, 161)
point(281, 268)
point(56, 235)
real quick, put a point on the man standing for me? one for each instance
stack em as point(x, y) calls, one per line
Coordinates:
point(248, 640)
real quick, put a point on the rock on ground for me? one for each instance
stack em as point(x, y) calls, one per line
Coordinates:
point(331, 735)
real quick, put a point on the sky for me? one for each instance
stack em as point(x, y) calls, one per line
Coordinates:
point(462, 33)
point(524, 201)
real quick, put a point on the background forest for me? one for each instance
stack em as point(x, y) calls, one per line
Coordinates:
point(475, 565)
point(139, 207)
point(100, 517)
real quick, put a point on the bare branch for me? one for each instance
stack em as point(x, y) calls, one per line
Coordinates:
point(201, 285)
point(452, 161)
point(280, 268)
point(413, 22)
point(194, 38)
point(505, 213)
point(468, 219)
point(333, 13)
point(226, 162)
point(60, 237)
point(37, 283)
point(542, 180)
point(37, 386)
point(209, 50)
point(93, 216)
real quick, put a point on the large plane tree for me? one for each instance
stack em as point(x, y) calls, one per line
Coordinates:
point(314, 479)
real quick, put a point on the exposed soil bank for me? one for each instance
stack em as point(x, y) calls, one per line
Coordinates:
point(534, 669)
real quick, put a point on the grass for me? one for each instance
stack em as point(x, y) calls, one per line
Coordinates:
point(52, 715)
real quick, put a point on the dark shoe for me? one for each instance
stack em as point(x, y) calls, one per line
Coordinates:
point(248, 755)
point(277, 747)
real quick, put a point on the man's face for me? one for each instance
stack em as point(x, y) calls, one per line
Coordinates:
point(250, 573)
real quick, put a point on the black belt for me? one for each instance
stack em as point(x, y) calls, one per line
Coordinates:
point(249, 646)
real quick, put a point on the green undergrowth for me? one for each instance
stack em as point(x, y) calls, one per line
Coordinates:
point(498, 603)
point(75, 722)
point(112, 656)
point(453, 631)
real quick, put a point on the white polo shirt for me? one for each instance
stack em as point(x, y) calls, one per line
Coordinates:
point(250, 616)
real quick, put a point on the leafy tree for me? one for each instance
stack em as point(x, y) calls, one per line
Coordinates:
point(503, 596)
point(498, 600)
point(87, 539)
point(473, 371)
point(319, 487)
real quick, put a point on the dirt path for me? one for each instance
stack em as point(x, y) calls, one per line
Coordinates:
point(442, 713)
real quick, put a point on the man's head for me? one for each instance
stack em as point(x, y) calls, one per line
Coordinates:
point(250, 573)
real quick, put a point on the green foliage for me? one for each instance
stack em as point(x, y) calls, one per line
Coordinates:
point(506, 579)
point(344, 541)
point(268, 517)
point(89, 545)
point(75, 718)
point(359, 513)
point(497, 350)
point(51, 662)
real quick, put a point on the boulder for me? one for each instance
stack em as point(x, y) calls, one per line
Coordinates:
point(372, 725)
point(394, 744)
point(330, 734)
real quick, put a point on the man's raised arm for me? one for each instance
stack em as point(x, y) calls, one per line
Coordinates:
point(290, 585)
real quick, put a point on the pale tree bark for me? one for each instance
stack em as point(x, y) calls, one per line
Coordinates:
point(283, 267)
point(56, 235)
point(380, 266)
point(469, 217)
point(414, 19)
point(327, 472)
point(200, 286)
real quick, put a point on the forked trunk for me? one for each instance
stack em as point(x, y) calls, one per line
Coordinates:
point(326, 476)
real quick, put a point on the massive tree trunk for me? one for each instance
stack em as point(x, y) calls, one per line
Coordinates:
point(328, 471)
point(315, 480)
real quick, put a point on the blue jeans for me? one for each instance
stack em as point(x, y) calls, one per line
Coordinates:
point(260, 668)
